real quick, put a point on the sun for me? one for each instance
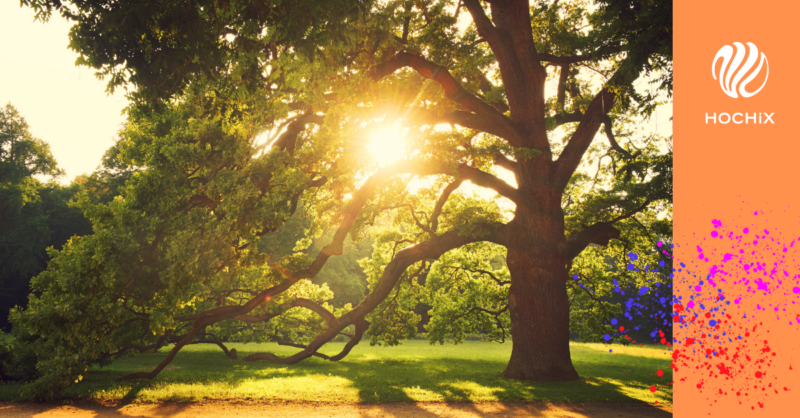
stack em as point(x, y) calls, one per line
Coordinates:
point(388, 145)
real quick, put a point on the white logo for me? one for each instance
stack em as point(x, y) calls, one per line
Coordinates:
point(730, 76)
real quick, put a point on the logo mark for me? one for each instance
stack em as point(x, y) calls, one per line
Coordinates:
point(731, 74)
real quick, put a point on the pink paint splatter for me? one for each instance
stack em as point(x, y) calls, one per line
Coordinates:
point(720, 342)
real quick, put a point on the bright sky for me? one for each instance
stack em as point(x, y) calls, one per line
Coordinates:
point(64, 105)
point(67, 106)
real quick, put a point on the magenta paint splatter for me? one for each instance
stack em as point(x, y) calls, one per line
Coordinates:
point(721, 342)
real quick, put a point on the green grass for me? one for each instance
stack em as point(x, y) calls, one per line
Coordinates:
point(414, 371)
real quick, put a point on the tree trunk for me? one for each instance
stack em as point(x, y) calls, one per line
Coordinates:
point(538, 301)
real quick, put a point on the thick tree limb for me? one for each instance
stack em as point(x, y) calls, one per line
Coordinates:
point(575, 116)
point(316, 308)
point(570, 158)
point(484, 179)
point(513, 17)
point(599, 233)
point(417, 117)
point(453, 90)
point(595, 115)
point(465, 173)
point(523, 75)
point(278, 360)
point(508, 164)
point(502, 46)
point(437, 210)
point(361, 327)
point(427, 250)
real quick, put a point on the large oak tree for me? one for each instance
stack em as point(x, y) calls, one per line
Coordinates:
point(244, 110)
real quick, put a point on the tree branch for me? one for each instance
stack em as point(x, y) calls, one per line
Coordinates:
point(593, 297)
point(613, 141)
point(437, 210)
point(484, 179)
point(511, 44)
point(503, 161)
point(570, 158)
point(491, 276)
point(288, 139)
point(418, 116)
point(316, 308)
point(427, 250)
point(453, 90)
point(601, 53)
point(486, 87)
point(575, 116)
point(599, 233)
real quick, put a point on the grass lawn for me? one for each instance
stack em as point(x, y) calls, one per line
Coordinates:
point(414, 371)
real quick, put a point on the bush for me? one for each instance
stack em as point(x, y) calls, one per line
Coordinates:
point(17, 361)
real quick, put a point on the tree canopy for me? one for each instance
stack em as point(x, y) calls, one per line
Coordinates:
point(244, 113)
point(34, 214)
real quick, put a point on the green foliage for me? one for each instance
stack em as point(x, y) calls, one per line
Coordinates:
point(246, 147)
point(468, 290)
point(166, 45)
point(33, 215)
point(617, 190)
point(22, 155)
point(175, 241)
point(341, 274)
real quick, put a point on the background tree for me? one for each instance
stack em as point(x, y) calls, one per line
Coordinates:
point(33, 215)
point(243, 111)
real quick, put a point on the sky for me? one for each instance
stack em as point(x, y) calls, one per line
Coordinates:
point(68, 107)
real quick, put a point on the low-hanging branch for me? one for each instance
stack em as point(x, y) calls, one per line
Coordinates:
point(427, 250)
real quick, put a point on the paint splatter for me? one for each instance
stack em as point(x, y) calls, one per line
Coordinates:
point(643, 285)
point(739, 277)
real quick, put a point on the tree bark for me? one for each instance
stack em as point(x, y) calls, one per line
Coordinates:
point(538, 302)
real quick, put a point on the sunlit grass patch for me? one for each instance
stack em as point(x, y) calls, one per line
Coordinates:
point(413, 371)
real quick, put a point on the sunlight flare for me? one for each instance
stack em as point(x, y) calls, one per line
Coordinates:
point(388, 145)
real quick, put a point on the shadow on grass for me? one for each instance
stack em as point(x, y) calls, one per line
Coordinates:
point(374, 377)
